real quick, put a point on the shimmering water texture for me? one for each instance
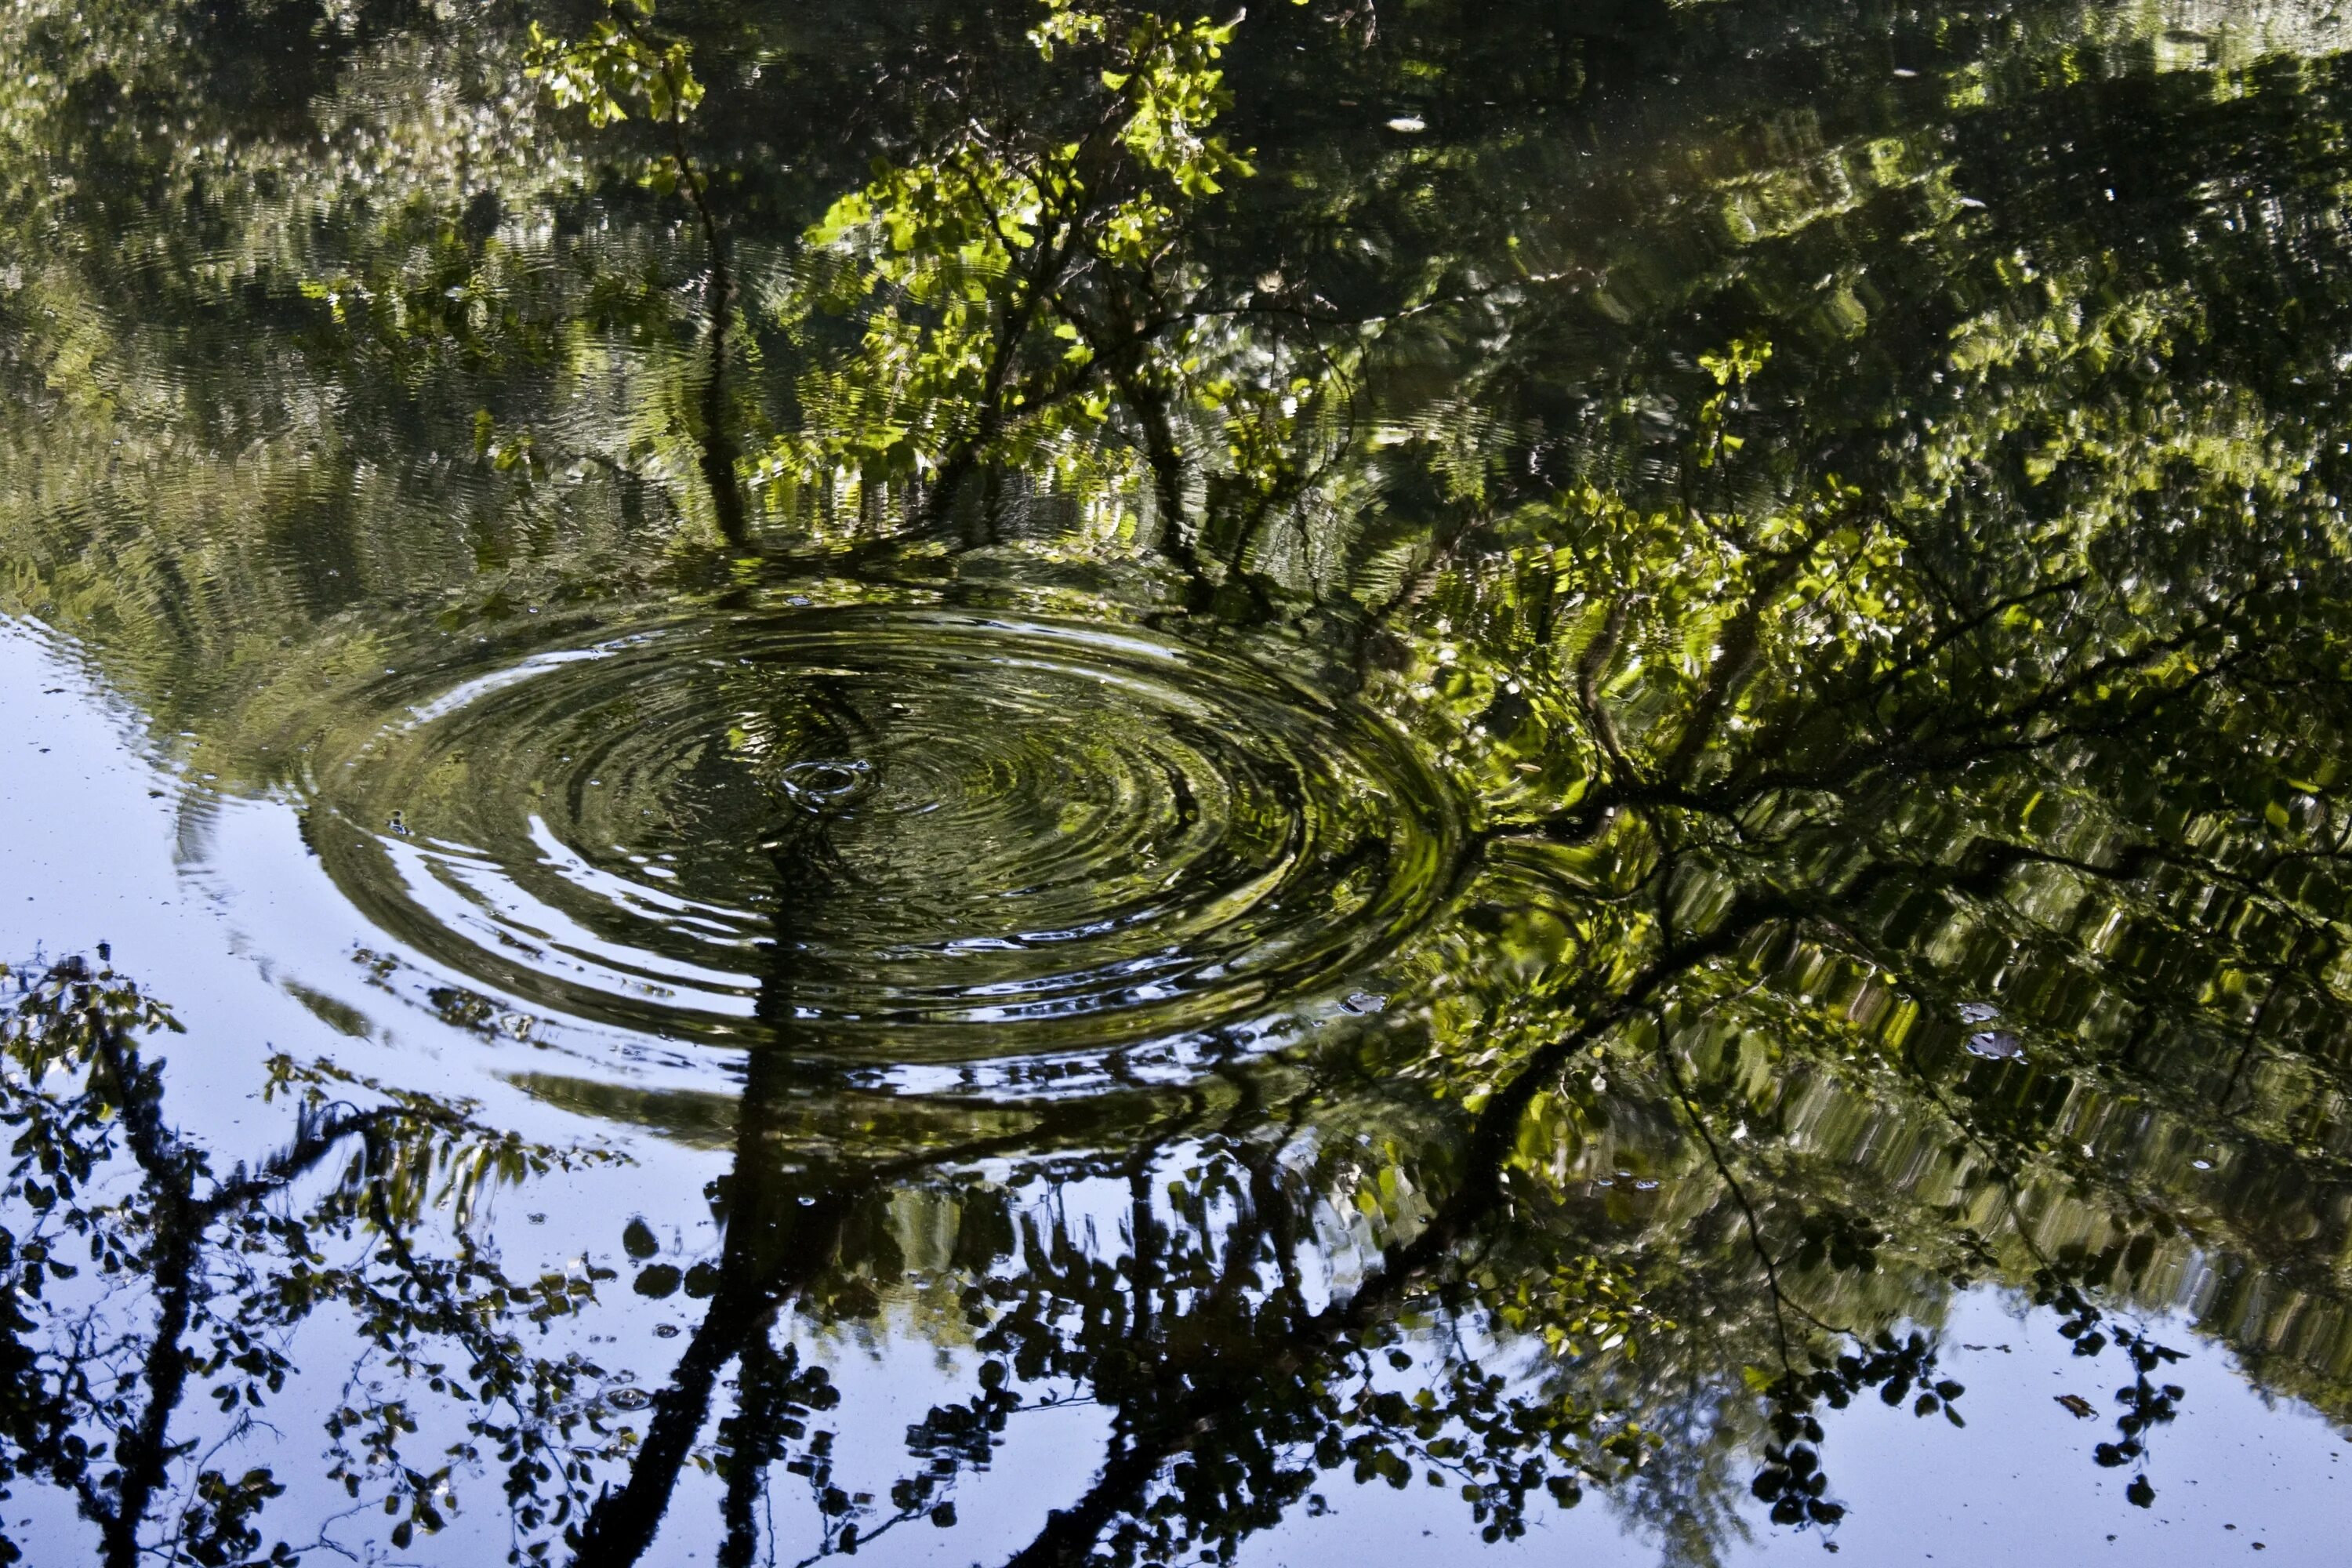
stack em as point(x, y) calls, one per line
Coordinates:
point(892, 833)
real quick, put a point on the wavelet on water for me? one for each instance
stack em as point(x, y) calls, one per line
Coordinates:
point(1037, 836)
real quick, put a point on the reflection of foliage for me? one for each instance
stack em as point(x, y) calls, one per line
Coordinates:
point(618, 64)
point(1791, 1479)
point(1021, 276)
point(226, 1266)
point(621, 62)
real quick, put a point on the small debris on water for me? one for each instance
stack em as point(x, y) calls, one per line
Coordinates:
point(2080, 1408)
point(1996, 1044)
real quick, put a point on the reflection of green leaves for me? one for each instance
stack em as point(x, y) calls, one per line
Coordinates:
point(999, 281)
point(1732, 369)
point(619, 65)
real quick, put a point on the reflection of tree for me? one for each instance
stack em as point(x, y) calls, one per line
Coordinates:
point(1022, 274)
point(623, 64)
point(198, 1278)
point(1898, 647)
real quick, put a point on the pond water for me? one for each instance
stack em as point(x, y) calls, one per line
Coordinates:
point(1028, 785)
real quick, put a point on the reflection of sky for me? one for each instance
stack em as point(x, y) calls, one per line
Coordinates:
point(92, 854)
point(90, 857)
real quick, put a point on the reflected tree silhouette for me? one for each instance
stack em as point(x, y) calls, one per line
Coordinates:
point(196, 1278)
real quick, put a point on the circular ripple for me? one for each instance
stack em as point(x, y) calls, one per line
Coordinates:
point(913, 835)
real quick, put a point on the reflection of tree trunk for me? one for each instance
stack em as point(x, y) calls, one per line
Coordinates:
point(752, 1447)
point(773, 1246)
point(718, 450)
point(144, 1451)
point(1150, 404)
point(717, 443)
point(622, 1524)
point(1123, 351)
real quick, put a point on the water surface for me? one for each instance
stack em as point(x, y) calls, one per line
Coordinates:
point(1035, 785)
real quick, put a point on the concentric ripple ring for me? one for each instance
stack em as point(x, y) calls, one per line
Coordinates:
point(899, 835)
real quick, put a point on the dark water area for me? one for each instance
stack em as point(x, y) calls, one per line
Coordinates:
point(1007, 783)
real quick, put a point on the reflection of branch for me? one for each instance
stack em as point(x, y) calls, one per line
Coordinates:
point(2254, 1020)
point(2031, 725)
point(1739, 1193)
point(717, 446)
point(315, 1138)
point(1589, 670)
point(1069, 1534)
point(1736, 654)
point(455, 1321)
